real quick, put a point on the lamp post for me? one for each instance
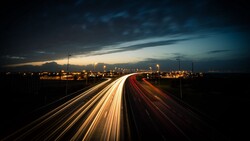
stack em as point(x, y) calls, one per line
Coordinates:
point(95, 72)
point(158, 71)
point(178, 59)
point(104, 68)
point(95, 66)
point(104, 71)
point(86, 77)
point(158, 68)
point(67, 74)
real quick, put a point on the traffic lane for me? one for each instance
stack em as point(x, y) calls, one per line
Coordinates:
point(104, 122)
point(147, 119)
point(40, 127)
point(140, 122)
point(190, 122)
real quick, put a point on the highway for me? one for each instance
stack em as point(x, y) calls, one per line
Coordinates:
point(155, 115)
point(122, 109)
point(96, 114)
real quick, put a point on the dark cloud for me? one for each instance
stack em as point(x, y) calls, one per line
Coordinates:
point(44, 30)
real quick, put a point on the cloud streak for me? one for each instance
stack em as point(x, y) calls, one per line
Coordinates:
point(217, 51)
point(139, 46)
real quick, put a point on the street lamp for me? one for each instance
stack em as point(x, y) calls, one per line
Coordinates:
point(104, 68)
point(150, 68)
point(95, 66)
point(178, 59)
point(86, 73)
point(67, 75)
point(158, 71)
point(158, 66)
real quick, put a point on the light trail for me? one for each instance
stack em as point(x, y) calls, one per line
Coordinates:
point(168, 118)
point(106, 115)
point(93, 115)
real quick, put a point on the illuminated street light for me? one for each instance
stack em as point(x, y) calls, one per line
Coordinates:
point(67, 75)
point(95, 64)
point(86, 73)
point(104, 68)
point(178, 59)
point(158, 67)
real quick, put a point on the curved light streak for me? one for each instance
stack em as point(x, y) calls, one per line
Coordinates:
point(94, 114)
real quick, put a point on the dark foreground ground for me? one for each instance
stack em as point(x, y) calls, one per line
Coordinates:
point(223, 98)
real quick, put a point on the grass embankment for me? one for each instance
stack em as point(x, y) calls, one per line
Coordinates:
point(225, 98)
point(22, 95)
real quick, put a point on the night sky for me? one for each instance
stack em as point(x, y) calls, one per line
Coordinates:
point(38, 35)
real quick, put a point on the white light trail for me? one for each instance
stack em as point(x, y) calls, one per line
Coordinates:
point(89, 115)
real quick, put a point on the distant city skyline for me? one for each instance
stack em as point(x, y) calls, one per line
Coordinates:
point(38, 35)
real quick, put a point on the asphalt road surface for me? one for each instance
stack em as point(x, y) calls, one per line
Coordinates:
point(154, 115)
point(123, 109)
